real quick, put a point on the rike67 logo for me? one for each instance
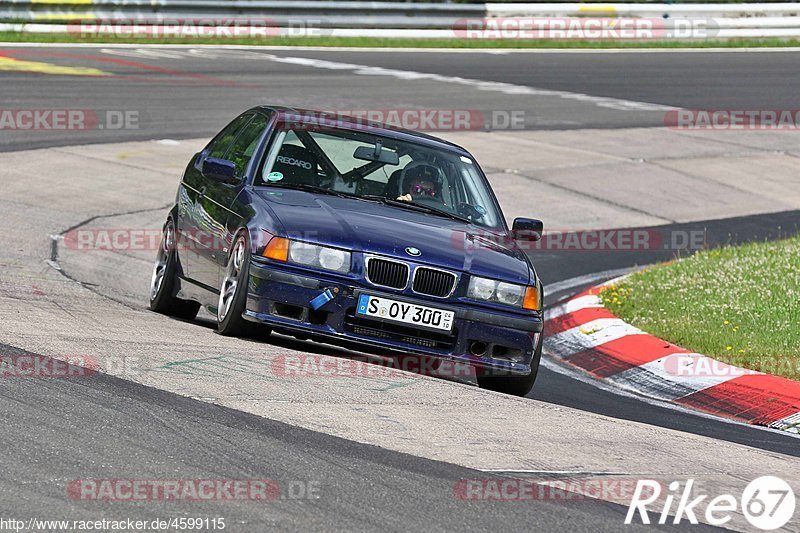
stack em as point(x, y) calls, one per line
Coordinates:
point(767, 502)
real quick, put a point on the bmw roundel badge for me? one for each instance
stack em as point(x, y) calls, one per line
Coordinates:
point(413, 252)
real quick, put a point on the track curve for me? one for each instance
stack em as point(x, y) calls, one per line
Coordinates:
point(167, 376)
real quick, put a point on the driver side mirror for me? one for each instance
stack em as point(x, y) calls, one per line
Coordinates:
point(527, 229)
point(219, 169)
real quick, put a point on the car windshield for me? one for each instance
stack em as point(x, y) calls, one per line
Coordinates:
point(364, 165)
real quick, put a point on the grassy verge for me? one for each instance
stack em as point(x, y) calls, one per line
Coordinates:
point(737, 304)
point(371, 42)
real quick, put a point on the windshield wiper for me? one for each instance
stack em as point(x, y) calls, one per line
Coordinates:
point(416, 207)
point(311, 188)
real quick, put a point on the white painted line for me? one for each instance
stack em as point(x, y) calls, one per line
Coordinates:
point(552, 472)
point(676, 375)
point(576, 304)
point(559, 286)
point(790, 424)
point(591, 335)
point(481, 85)
point(552, 363)
point(614, 280)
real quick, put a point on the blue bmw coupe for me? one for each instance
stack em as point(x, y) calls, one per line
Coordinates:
point(356, 233)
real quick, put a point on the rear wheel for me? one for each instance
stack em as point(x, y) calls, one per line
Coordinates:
point(164, 281)
point(512, 384)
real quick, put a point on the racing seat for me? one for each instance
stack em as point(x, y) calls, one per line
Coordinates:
point(393, 185)
point(297, 164)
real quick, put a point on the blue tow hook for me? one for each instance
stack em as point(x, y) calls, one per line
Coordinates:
point(320, 300)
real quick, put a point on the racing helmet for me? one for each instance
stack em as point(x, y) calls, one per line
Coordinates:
point(422, 171)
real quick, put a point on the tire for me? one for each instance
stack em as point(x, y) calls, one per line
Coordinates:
point(233, 291)
point(164, 282)
point(512, 384)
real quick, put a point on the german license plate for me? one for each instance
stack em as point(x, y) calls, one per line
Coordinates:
point(404, 312)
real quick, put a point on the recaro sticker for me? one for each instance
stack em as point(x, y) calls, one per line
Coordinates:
point(294, 162)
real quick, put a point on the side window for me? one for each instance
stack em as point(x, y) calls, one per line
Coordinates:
point(242, 149)
point(224, 139)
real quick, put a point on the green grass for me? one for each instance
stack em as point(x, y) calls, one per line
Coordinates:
point(738, 304)
point(370, 42)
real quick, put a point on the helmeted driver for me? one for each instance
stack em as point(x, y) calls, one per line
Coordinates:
point(421, 180)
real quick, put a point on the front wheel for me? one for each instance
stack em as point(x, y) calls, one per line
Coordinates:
point(510, 384)
point(164, 281)
point(233, 291)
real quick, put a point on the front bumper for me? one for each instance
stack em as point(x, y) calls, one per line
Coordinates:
point(280, 295)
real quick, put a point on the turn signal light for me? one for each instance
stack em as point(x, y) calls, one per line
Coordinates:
point(531, 300)
point(277, 248)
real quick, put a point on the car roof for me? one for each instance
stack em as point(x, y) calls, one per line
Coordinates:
point(360, 124)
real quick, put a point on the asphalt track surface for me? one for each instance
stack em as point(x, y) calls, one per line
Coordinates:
point(178, 93)
point(107, 424)
point(360, 487)
point(694, 80)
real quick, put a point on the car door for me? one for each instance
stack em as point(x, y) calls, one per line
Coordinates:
point(193, 224)
point(215, 206)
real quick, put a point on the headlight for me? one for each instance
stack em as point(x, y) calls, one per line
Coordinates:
point(510, 294)
point(333, 259)
point(490, 290)
point(303, 253)
point(314, 255)
point(481, 288)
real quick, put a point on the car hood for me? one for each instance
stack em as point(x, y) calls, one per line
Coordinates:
point(386, 230)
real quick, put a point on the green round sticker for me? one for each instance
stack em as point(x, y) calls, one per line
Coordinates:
point(274, 176)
